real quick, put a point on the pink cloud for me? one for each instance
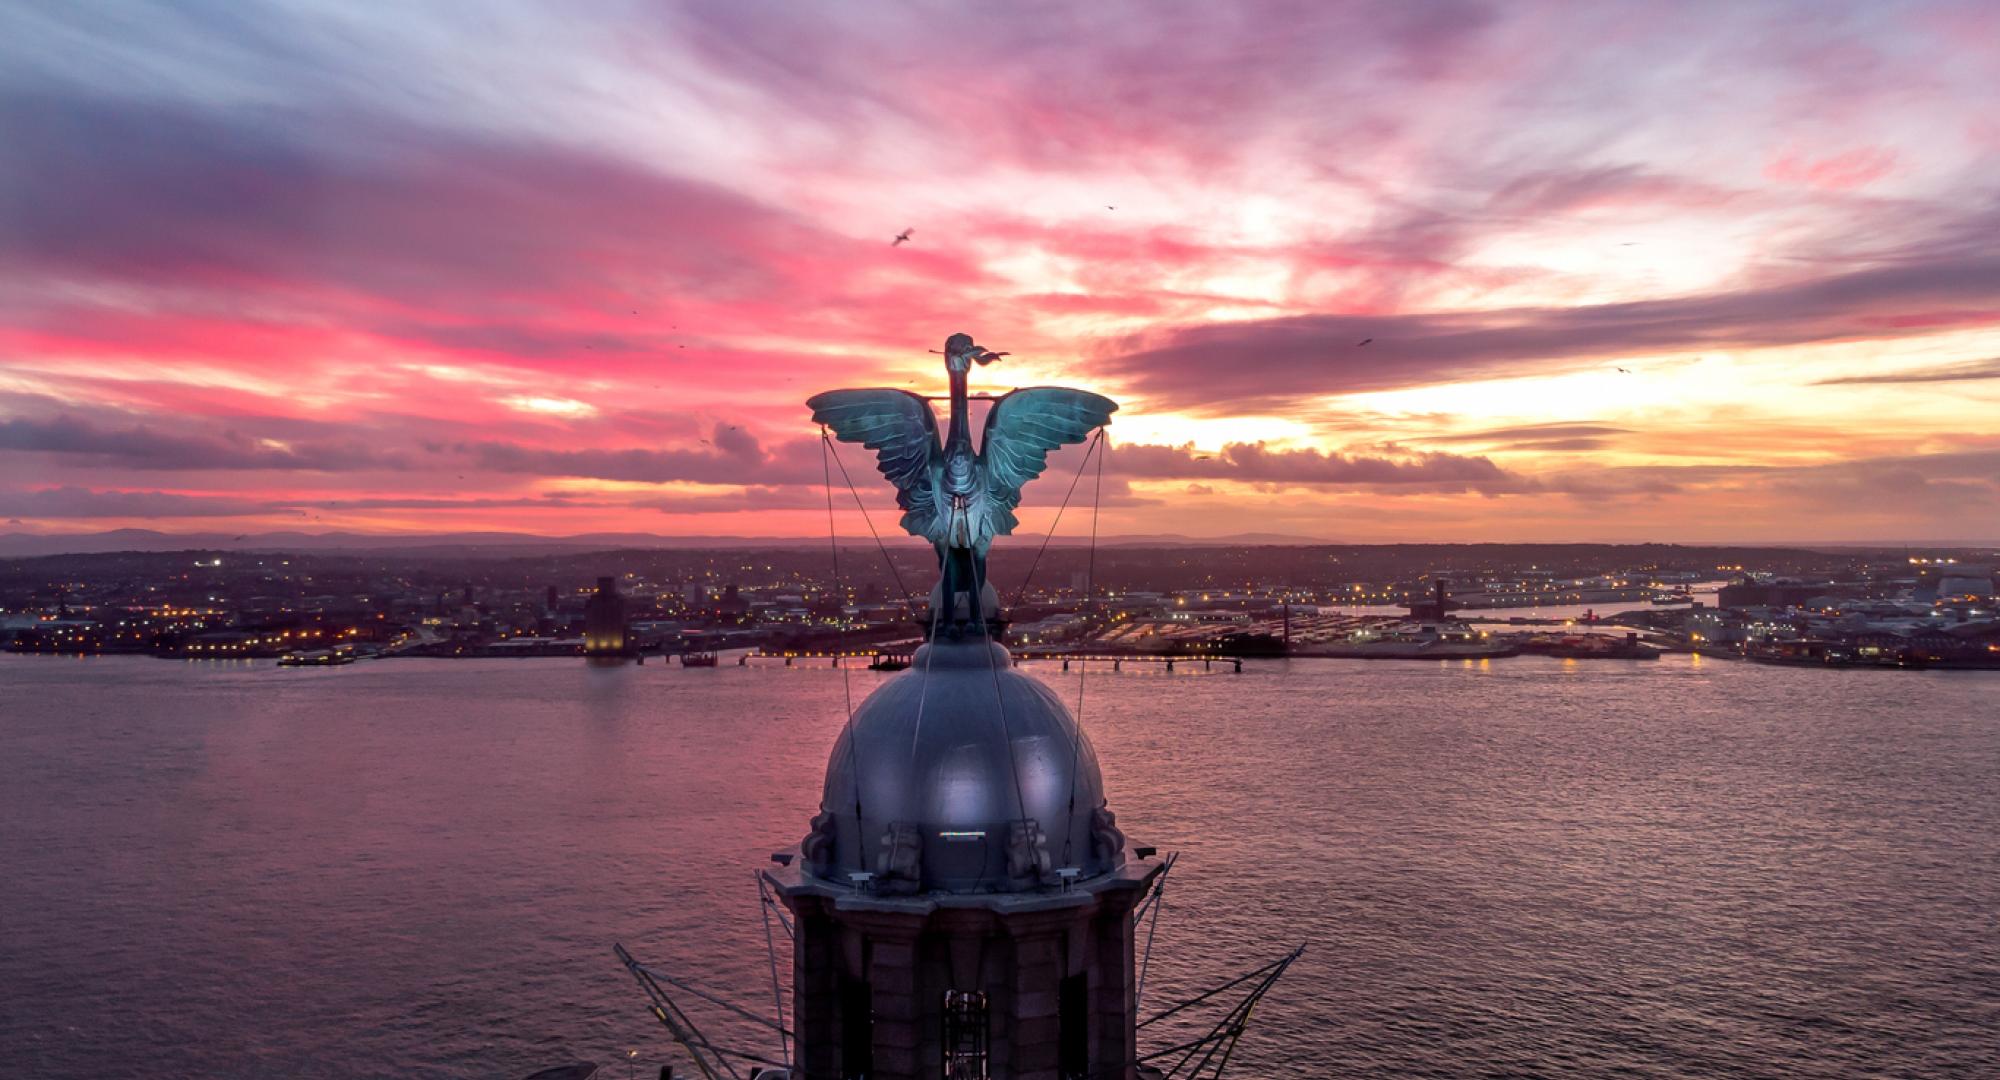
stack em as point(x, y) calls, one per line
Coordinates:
point(1844, 171)
point(341, 288)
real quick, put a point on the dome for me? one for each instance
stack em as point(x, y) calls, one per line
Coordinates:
point(962, 775)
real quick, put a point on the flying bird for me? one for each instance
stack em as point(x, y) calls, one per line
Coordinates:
point(901, 238)
point(1625, 371)
point(1363, 341)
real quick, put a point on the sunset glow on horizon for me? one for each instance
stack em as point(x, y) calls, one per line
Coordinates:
point(1429, 272)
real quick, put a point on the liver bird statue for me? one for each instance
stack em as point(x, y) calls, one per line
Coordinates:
point(954, 496)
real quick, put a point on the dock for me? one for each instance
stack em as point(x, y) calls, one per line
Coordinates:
point(898, 659)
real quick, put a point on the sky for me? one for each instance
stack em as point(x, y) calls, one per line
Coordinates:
point(1430, 271)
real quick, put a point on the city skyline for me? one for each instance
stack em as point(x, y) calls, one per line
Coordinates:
point(1444, 273)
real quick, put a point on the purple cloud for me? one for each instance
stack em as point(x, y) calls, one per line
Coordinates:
point(1270, 363)
point(82, 503)
point(1258, 463)
point(145, 447)
point(1966, 372)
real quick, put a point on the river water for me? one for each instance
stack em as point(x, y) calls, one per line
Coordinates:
point(416, 868)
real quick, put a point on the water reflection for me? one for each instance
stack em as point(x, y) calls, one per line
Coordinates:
point(1679, 868)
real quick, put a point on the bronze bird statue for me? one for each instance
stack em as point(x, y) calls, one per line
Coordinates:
point(958, 497)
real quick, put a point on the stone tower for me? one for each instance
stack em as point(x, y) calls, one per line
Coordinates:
point(963, 903)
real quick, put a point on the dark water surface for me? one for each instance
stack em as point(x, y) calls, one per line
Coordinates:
point(417, 868)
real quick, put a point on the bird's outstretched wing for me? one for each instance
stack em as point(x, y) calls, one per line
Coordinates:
point(900, 427)
point(1020, 431)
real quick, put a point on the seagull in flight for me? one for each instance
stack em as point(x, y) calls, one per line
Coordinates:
point(901, 238)
point(1625, 371)
point(1363, 341)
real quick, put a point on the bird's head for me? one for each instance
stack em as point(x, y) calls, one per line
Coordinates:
point(960, 353)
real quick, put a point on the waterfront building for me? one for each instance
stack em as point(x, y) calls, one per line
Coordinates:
point(604, 627)
point(1767, 594)
point(1435, 609)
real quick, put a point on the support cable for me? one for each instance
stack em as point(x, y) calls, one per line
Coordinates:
point(783, 922)
point(1156, 901)
point(929, 649)
point(1089, 589)
point(771, 951)
point(1228, 1029)
point(678, 1023)
point(908, 598)
point(1000, 699)
point(1051, 534)
point(1224, 1035)
point(846, 684)
point(1280, 964)
point(721, 1002)
point(839, 587)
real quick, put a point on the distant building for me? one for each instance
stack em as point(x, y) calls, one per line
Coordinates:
point(1956, 582)
point(604, 629)
point(1767, 594)
point(1435, 608)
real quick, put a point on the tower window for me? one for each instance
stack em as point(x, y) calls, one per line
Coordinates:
point(964, 1035)
point(857, 1029)
point(1073, 1026)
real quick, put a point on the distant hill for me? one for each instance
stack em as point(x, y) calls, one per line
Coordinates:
point(507, 544)
point(28, 545)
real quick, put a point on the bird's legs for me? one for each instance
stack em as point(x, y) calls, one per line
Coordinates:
point(961, 577)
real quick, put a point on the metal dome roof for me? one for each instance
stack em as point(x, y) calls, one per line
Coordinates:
point(962, 775)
